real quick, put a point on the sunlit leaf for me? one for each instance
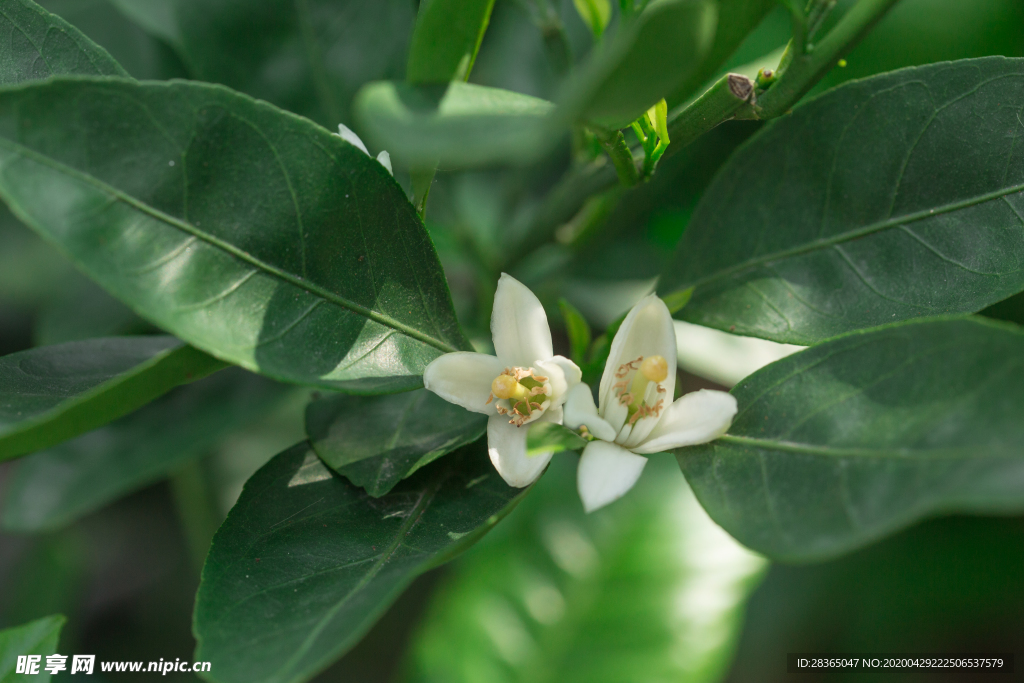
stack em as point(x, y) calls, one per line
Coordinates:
point(460, 124)
point(38, 637)
point(446, 39)
point(894, 197)
point(246, 231)
point(851, 440)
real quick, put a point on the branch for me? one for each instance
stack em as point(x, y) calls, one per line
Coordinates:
point(807, 68)
point(729, 98)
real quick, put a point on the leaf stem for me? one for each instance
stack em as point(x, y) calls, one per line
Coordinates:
point(196, 509)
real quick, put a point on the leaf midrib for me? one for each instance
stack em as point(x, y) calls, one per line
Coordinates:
point(410, 521)
point(851, 235)
point(843, 452)
point(299, 282)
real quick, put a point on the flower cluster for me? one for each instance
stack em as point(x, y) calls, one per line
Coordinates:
point(634, 414)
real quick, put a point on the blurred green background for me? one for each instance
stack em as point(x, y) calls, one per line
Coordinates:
point(126, 574)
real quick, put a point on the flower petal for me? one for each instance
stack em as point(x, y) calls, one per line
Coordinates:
point(646, 331)
point(695, 418)
point(349, 136)
point(563, 375)
point(464, 378)
point(580, 410)
point(519, 325)
point(605, 473)
point(384, 159)
point(506, 445)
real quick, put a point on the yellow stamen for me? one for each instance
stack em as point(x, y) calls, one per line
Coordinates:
point(650, 369)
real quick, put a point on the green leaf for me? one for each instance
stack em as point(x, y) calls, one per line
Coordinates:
point(890, 198)
point(736, 20)
point(595, 14)
point(446, 39)
point(53, 393)
point(309, 57)
point(846, 442)
point(648, 589)
point(578, 329)
point(248, 232)
point(37, 637)
point(460, 124)
point(39, 45)
point(376, 442)
point(51, 489)
point(648, 58)
point(306, 562)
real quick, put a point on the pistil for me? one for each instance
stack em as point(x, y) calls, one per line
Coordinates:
point(508, 387)
point(524, 392)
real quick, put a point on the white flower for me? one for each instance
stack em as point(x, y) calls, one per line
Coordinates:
point(349, 136)
point(637, 415)
point(526, 382)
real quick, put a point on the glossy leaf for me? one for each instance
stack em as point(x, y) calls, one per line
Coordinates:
point(647, 59)
point(53, 393)
point(648, 589)
point(595, 14)
point(848, 441)
point(375, 442)
point(736, 20)
point(50, 489)
point(446, 39)
point(894, 197)
point(248, 232)
point(306, 562)
point(38, 45)
point(37, 637)
point(458, 125)
point(308, 57)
